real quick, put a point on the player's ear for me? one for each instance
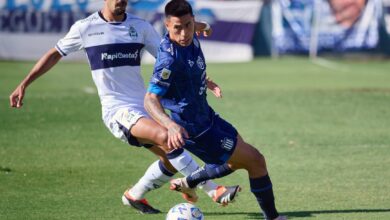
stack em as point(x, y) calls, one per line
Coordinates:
point(167, 23)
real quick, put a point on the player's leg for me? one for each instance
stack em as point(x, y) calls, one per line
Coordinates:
point(249, 158)
point(214, 147)
point(154, 177)
point(245, 157)
point(186, 165)
point(220, 139)
point(157, 173)
point(148, 131)
point(222, 195)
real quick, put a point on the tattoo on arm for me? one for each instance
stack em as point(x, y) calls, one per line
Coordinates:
point(156, 111)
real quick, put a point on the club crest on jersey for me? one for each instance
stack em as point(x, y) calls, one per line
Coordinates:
point(200, 63)
point(227, 143)
point(133, 33)
point(165, 73)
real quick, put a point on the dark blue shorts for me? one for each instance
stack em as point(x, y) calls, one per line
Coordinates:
point(217, 144)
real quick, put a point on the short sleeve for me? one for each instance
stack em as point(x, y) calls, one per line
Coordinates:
point(71, 42)
point(162, 74)
point(152, 40)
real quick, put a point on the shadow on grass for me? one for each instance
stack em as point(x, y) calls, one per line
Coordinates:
point(311, 213)
point(300, 214)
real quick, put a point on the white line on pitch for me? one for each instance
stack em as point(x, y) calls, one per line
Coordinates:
point(329, 64)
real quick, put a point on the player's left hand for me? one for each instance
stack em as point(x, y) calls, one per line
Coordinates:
point(206, 33)
point(214, 88)
point(203, 28)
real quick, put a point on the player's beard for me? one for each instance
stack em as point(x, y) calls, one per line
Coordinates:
point(120, 9)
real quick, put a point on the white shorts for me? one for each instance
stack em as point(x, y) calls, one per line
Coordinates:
point(122, 121)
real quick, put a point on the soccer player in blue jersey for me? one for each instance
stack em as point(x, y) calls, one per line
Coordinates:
point(179, 84)
point(113, 41)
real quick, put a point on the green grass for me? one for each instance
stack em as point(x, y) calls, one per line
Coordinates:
point(324, 131)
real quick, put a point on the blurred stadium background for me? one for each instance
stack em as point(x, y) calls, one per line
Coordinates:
point(322, 122)
point(243, 29)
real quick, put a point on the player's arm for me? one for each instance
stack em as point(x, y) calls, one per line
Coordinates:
point(70, 43)
point(176, 133)
point(214, 88)
point(44, 64)
point(203, 27)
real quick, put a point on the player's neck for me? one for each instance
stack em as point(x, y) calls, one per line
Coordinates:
point(110, 17)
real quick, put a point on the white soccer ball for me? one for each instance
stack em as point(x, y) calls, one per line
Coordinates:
point(184, 211)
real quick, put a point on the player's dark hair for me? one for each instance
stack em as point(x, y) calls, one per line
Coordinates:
point(178, 8)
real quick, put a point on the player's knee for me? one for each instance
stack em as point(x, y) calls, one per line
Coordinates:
point(161, 138)
point(257, 164)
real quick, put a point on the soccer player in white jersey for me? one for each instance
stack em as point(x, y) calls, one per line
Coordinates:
point(113, 41)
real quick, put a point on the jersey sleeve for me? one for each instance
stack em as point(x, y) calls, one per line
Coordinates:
point(71, 42)
point(162, 74)
point(152, 40)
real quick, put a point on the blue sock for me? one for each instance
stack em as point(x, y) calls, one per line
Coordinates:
point(175, 153)
point(262, 188)
point(209, 171)
point(164, 170)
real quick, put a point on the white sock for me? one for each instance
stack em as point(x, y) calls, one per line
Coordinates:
point(152, 179)
point(185, 164)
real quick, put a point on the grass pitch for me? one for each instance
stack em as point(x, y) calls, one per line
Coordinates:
point(325, 131)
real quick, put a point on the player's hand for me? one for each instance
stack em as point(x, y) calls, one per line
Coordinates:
point(176, 136)
point(206, 33)
point(203, 28)
point(16, 98)
point(214, 88)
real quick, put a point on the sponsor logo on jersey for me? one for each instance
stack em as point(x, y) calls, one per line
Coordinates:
point(200, 63)
point(227, 144)
point(165, 73)
point(114, 55)
point(95, 34)
point(133, 33)
point(119, 55)
point(159, 82)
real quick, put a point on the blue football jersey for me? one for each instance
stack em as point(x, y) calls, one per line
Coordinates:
point(179, 77)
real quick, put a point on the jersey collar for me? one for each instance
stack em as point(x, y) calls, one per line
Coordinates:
point(113, 23)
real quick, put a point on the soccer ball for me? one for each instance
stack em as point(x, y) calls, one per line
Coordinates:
point(184, 211)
